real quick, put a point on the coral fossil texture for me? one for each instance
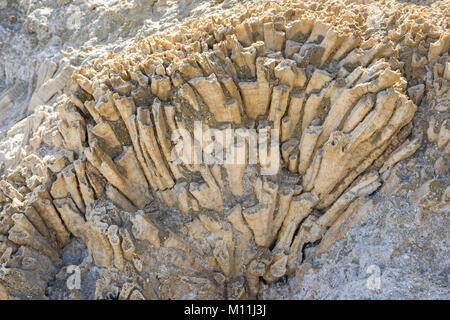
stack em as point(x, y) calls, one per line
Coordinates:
point(318, 75)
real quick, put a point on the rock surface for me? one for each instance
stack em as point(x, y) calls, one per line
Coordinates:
point(94, 204)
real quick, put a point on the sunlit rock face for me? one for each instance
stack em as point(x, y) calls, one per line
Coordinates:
point(309, 106)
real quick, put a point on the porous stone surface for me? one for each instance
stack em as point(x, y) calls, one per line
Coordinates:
point(95, 204)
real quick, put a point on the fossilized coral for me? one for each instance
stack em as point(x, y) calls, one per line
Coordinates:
point(316, 72)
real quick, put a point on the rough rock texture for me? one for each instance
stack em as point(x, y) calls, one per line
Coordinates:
point(355, 93)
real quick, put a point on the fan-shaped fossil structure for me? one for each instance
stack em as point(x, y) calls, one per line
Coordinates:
point(312, 77)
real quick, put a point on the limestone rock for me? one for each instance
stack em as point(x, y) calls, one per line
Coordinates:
point(213, 154)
